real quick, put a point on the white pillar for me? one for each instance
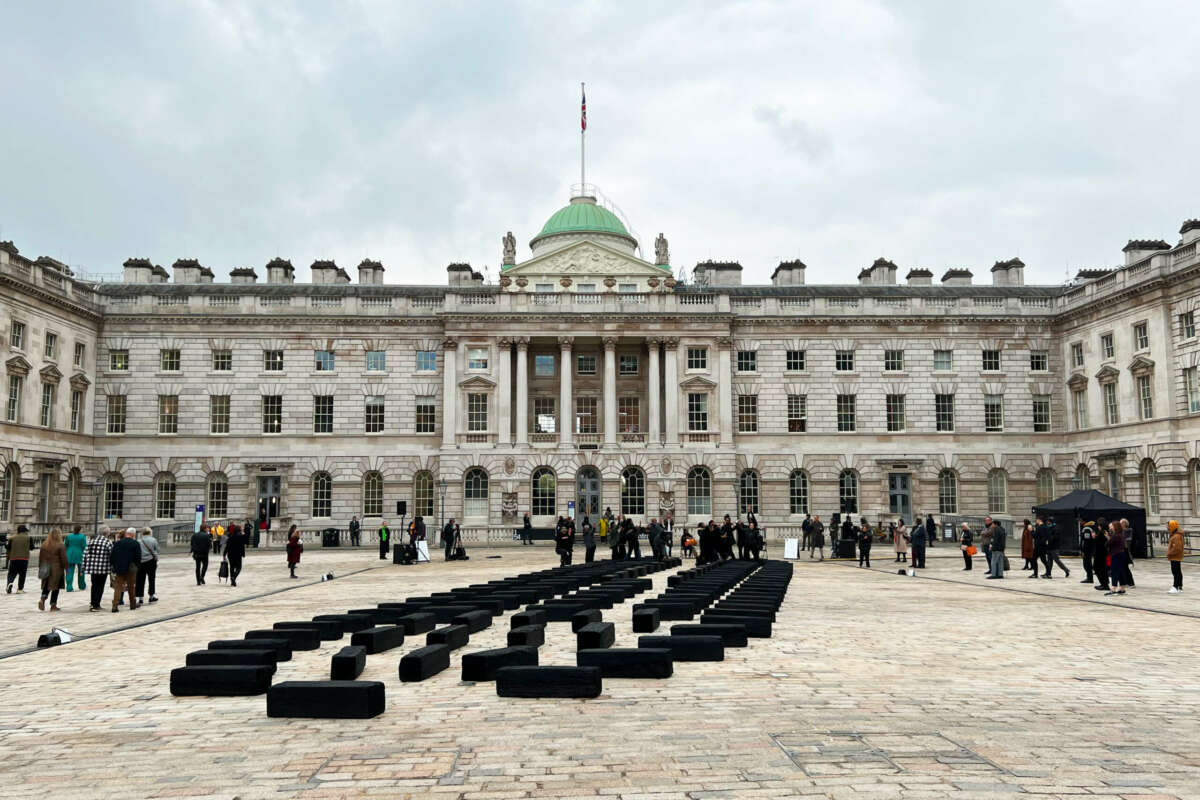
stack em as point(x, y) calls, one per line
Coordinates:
point(566, 409)
point(725, 388)
point(610, 390)
point(671, 396)
point(449, 393)
point(654, 438)
point(523, 390)
point(504, 391)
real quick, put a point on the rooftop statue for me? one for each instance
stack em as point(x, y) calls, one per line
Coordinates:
point(661, 257)
point(510, 248)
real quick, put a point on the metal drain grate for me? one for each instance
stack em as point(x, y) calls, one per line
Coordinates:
point(830, 753)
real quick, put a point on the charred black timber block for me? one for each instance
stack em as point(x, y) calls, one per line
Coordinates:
point(282, 647)
point(326, 699)
point(350, 622)
point(453, 636)
point(668, 610)
point(213, 658)
point(530, 616)
point(233, 680)
point(510, 600)
point(420, 601)
point(741, 608)
point(585, 617)
point(378, 639)
point(347, 663)
point(623, 589)
point(482, 665)
point(489, 603)
point(755, 599)
point(424, 662)
point(548, 682)
point(731, 635)
point(533, 635)
point(475, 620)
point(590, 600)
point(756, 627)
point(328, 630)
point(381, 616)
point(595, 636)
point(299, 638)
point(446, 613)
point(629, 662)
point(562, 612)
point(645, 620)
point(687, 648)
point(417, 623)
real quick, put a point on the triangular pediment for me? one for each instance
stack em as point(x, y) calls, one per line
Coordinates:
point(1108, 373)
point(586, 259)
point(1141, 365)
point(80, 381)
point(50, 374)
point(477, 382)
point(1078, 381)
point(698, 382)
point(17, 365)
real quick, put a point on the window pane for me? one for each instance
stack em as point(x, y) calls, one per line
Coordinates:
point(323, 413)
point(544, 486)
point(943, 405)
point(947, 492)
point(629, 414)
point(218, 413)
point(218, 497)
point(627, 365)
point(426, 415)
point(895, 413)
point(748, 492)
point(943, 359)
point(747, 361)
point(373, 414)
point(376, 360)
point(426, 361)
point(373, 495)
point(795, 361)
point(324, 360)
point(168, 414)
point(543, 365)
point(475, 493)
point(797, 408)
point(423, 494)
point(222, 360)
point(699, 492)
point(477, 413)
point(846, 418)
point(747, 413)
point(477, 358)
point(848, 492)
point(633, 492)
point(798, 492)
point(893, 360)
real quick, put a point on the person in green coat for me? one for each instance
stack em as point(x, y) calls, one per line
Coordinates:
point(76, 542)
point(385, 538)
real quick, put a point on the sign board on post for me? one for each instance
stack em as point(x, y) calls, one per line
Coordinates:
point(199, 518)
point(791, 548)
point(571, 509)
point(422, 551)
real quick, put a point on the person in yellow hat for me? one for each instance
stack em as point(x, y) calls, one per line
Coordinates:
point(1175, 556)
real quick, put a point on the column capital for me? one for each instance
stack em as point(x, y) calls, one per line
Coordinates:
point(522, 342)
point(504, 341)
point(654, 341)
point(449, 344)
point(671, 341)
point(566, 342)
point(724, 342)
point(610, 343)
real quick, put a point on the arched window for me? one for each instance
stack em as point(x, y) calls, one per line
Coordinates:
point(218, 496)
point(947, 492)
point(1045, 485)
point(1083, 479)
point(1150, 486)
point(114, 496)
point(423, 494)
point(322, 495)
point(633, 492)
point(475, 493)
point(372, 505)
point(543, 487)
point(748, 492)
point(848, 491)
point(798, 492)
point(699, 492)
point(997, 492)
point(164, 496)
point(8, 488)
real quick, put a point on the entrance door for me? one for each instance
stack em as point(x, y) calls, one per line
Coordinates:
point(587, 493)
point(268, 497)
point(45, 496)
point(900, 495)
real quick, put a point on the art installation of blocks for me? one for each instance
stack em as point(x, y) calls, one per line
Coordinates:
point(378, 640)
point(586, 617)
point(530, 616)
point(453, 636)
point(687, 648)
point(424, 662)
point(349, 622)
point(533, 635)
point(299, 638)
point(731, 635)
point(221, 681)
point(641, 662)
point(348, 663)
point(475, 621)
point(482, 665)
point(596, 635)
point(326, 699)
point(582, 682)
point(417, 623)
point(645, 620)
point(201, 658)
point(282, 647)
point(329, 631)
point(756, 627)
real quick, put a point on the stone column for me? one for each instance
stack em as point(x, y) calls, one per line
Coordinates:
point(725, 388)
point(523, 390)
point(566, 404)
point(671, 378)
point(610, 390)
point(653, 344)
point(504, 391)
point(449, 393)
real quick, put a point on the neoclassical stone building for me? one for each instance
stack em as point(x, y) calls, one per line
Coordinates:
point(588, 376)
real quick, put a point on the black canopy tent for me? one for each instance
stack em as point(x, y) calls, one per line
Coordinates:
point(1086, 505)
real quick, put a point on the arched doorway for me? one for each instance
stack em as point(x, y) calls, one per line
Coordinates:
point(587, 499)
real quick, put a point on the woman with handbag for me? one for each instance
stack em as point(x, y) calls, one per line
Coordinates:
point(294, 549)
point(1027, 547)
point(900, 542)
point(968, 549)
point(1118, 558)
point(52, 567)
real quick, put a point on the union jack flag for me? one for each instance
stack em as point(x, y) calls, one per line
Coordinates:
point(583, 110)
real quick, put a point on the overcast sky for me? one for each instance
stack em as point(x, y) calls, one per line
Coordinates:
point(936, 134)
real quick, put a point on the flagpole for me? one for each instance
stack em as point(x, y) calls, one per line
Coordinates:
point(582, 140)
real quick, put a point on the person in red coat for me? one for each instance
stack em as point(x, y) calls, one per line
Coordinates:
point(294, 549)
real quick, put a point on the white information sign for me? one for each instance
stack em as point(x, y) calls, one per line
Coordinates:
point(791, 548)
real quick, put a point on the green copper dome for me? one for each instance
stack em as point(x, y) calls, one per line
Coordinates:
point(586, 216)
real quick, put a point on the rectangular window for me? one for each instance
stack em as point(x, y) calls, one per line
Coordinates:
point(543, 365)
point(585, 415)
point(843, 360)
point(114, 499)
point(47, 416)
point(797, 411)
point(629, 414)
point(118, 360)
point(426, 361)
point(376, 360)
point(116, 413)
point(993, 413)
point(794, 361)
point(943, 360)
point(895, 413)
point(1187, 325)
point(1041, 413)
point(218, 413)
point(697, 412)
point(426, 415)
point(323, 413)
point(80, 353)
point(747, 413)
point(627, 365)
point(585, 288)
point(324, 361)
point(1145, 396)
point(218, 499)
point(272, 413)
point(164, 499)
point(273, 360)
point(846, 416)
point(1141, 336)
point(1191, 385)
point(627, 288)
point(477, 358)
point(747, 361)
point(168, 413)
point(373, 414)
point(168, 360)
point(1113, 479)
point(50, 350)
point(222, 360)
point(943, 412)
point(991, 361)
point(76, 410)
point(1107, 349)
point(14, 398)
point(477, 413)
point(16, 335)
point(543, 415)
point(1039, 360)
point(1077, 354)
point(697, 358)
point(585, 365)
point(893, 360)
point(1112, 414)
point(1080, 407)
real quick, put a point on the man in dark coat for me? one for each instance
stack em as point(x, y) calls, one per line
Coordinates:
point(355, 529)
point(201, 546)
point(235, 551)
point(918, 546)
point(633, 546)
point(1050, 555)
point(126, 555)
point(564, 541)
point(1087, 546)
point(742, 541)
point(727, 538)
point(657, 537)
point(448, 538)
